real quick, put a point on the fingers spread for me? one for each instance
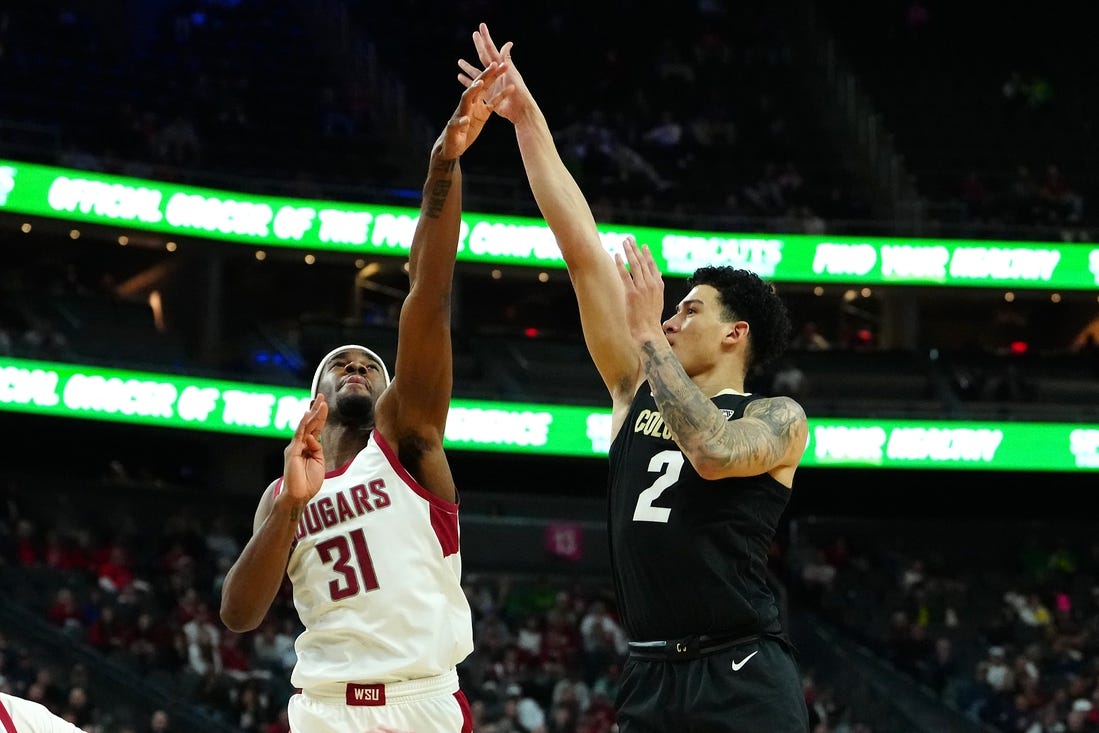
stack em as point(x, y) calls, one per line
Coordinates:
point(468, 68)
point(500, 95)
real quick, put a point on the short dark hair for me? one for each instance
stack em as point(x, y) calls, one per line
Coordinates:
point(746, 297)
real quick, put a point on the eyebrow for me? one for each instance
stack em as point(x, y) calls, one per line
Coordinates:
point(689, 301)
point(346, 355)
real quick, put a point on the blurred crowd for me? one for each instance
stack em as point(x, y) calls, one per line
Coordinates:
point(1000, 622)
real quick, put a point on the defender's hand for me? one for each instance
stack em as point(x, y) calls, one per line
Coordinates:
point(512, 104)
point(480, 98)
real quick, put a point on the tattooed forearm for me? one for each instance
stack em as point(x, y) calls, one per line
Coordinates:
point(437, 198)
point(295, 515)
point(710, 442)
point(697, 424)
point(444, 165)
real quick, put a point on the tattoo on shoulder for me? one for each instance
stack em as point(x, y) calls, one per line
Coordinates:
point(784, 416)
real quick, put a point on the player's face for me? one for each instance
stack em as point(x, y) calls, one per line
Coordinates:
point(697, 330)
point(352, 382)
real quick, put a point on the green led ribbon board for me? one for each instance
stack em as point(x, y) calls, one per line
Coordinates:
point(367, 230)
point(167, 400)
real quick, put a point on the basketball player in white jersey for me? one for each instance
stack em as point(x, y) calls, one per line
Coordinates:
point(365, 517)
point(23, 716)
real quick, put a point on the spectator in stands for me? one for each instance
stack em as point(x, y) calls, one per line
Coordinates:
point(1080, 719)
point(203, 642)
point(159, 722)
point(529, 637)
point(355, 606)
point(524, 711)
point(562, 719)
point(603, 639)
point(740, 322)
point(64, 611)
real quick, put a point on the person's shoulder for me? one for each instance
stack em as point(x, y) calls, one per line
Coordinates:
point(776, 410)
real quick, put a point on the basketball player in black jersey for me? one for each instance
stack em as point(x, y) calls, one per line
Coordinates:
point(700, 471)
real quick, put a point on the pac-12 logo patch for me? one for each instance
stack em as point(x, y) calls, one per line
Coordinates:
point(727, 413)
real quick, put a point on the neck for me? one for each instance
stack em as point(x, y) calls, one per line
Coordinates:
point(720, 378)
point(342, 443)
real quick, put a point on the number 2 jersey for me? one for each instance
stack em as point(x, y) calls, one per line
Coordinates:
point(689, 555)
point(377, 577)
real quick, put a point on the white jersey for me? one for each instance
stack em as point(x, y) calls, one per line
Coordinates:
point(377, 577)
point(23, 716)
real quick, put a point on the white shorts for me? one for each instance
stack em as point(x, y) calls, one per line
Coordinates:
point(428, 705)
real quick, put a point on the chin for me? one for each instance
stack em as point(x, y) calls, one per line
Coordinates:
point(355, 408)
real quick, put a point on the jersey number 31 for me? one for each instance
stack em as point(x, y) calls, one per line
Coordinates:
point(338, 550)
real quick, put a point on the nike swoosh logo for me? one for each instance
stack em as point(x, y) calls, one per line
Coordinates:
point(737, 665)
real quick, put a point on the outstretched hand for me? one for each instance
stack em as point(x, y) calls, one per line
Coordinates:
point(644, 288)
point(303, 460)
point(481, 97)
point(510, 82)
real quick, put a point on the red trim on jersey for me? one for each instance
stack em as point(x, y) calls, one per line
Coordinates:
point(278, 487)
point(467, 714)
point(340, 470)
point(444, 514)
point(5, 718)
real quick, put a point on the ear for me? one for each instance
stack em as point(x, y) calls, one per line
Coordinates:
point(736, 332)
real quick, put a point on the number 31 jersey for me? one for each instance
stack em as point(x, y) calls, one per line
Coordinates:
point(689, 555)
point(377, 577)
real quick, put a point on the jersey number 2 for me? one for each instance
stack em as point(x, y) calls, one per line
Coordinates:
point(669, 463)
point(342, 546)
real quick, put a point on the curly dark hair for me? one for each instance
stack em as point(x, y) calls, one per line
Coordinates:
point(745, 296)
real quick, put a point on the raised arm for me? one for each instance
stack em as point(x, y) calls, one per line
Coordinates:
point(598, 290)
point(254, 580)
point(413, 410)
point(769, 438)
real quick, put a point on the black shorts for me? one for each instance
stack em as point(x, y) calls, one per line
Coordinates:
point(751, 687)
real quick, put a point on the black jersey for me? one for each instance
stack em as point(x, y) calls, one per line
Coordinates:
point(689, 555)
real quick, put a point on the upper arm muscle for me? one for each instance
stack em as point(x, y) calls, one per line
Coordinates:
point(770, 436)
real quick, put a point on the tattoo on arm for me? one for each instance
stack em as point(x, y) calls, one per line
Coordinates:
point(444, 166)
point(295, 515)
point(784, 421)
point(437, 198)
point(697, 424)
point(701, 429)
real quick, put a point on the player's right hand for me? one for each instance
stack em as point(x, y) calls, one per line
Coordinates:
point(303, 460)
